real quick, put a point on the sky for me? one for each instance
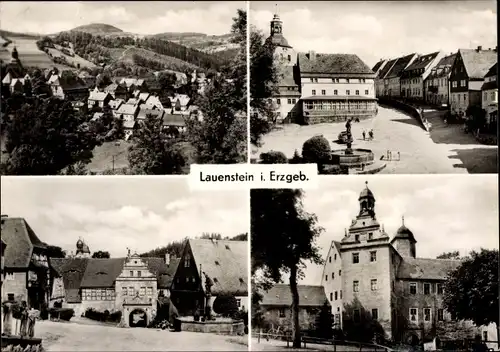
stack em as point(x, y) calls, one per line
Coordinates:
point(381, 29)
point(141, 17)
point(445, 213)
point(112, 213)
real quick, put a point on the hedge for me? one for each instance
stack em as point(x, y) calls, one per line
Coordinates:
point(93, 314)
point(61, 313)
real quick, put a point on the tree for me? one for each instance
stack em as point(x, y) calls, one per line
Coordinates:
point(471, 290)
point(283, 239)
point(101, 254)
point(173, 248)
point(316, 150)
point(240, 237)
point(273, 157)
point(55, 252)
point(324, 322)
point(154, 152)
point(296, 158)
point(449, 255)
point(45, 137)
point(226, 305)
point(103, 80)
point(263, 85)
point(215, 236)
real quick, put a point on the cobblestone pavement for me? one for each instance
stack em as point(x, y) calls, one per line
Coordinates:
point(446, 149)
point(62, 336)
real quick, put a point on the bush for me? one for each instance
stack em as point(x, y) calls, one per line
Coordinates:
point(316, 150)
point(274, 157)
point(105, 316)
point(61, 313)
point(226, 305)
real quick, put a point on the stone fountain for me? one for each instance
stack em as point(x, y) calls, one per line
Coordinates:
point(356, 160)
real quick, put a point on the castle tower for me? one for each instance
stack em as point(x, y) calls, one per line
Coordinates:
point(82, 250)
point(366, 266)
point(283, 51)
point(404, 241)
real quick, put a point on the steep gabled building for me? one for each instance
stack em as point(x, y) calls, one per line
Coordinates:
point(437, 84)
point(467, 77)
point(490, 95)
point(382, 84)
point(392, 80)
point(414, 75)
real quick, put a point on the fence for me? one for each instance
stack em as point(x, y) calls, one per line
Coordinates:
point(305, 340)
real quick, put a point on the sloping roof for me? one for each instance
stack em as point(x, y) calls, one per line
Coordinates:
point(97, 116)
point(20, 240)
point(183, 99)
point(113, 87)
point(477, 63)
point(144, 111)
point(127, 109)
point(102, 272)
point(154, 101)
point(225, 262)
point(309, 296)
point(404, 233)
point(439, 71)
point(143, 96)
point(447, 60)
point(98, 96)
point(165, 277)
point(173, 120)
point(286, 77)
point(423, 268)
point(129, 124)
point(332, 63)
point(493, 71)
point(72, 271)
point(278, 39)
point(422, 61)
point(378, 65)
point(337, 245)
point(115, 104)
point(399, 66)
point(387, 67)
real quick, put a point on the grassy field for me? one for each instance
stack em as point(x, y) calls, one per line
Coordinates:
point(29, 54)
point(72, 59)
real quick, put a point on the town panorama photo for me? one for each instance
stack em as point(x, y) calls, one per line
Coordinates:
point(367, 87)
point(134, 88)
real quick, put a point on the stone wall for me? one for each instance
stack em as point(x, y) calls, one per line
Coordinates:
point(307, 317)
point(216, 327)
point(15, 283)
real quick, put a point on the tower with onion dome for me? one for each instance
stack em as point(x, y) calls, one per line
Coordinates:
point(82, 250)
point(404, 241)
point(283, 51)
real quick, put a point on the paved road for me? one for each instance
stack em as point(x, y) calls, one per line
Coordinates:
point(61, 336)
point(444, 150)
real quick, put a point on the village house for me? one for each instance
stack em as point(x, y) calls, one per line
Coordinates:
point(382, 84)
point(115, 104)
point(127, 112)
point(377, 69)
point(144, 111)
point(467, 78)
point(277, 302)
point(153, 102)
point(180, 103)
point(68, 86)
point(437, 84)
point(130, 285)
point(117, 91)
point(392, 80)
point(373, 274)
point(415, 74)
point(175, 121)
point(98, 99)
point(26, 266)
point(133, 84)
point(490, 95)
point(226, 265)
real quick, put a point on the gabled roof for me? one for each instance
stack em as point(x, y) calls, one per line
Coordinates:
point(127, 109)
point(182, 98)
point(423, 268)
point(145, 111)
point(378, 65)
point(477, 63)
point(173, 120)
point(154, 101)
point(102, 272)
point(97, 116)
point(309, 296)
point(332, 63)
point(438, 70)
point(113, 87)
point(164, 273)
point(143, 96)
point(399, 66)
point(115, 104)
point(225, 262)
point(493, 71)
point(98, 96)
point(20, 239)
point(387, 67)
point(72, 271)
point(129, 124)
point(422, 61)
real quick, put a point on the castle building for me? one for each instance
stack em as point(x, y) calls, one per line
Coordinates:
point(368, 273)
point(316, 88)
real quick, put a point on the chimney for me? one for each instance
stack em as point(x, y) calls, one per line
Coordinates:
point(479, 48)
point(312, 55)
point(167, 258)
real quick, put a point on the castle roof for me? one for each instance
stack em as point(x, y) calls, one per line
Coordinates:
point(404, 233)
point(309, 296)
point(332, 63)
point(20, 240)
point(277, 39)
point(225, 262)
point(426, 269)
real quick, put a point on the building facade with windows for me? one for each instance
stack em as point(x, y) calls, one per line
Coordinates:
point(467, 77)
point(393, 80)
point(415, 74)
point(437, 84)
point(370, 273)
point(490, 95)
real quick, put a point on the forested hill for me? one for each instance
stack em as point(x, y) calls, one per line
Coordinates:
point(85, 43)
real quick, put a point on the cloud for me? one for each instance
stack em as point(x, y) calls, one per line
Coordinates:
point(375, 30)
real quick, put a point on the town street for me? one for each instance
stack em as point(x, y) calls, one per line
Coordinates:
point(73, 336)
point(446, 149)
point(275, 345)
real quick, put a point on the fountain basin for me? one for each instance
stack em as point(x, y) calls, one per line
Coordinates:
point(224, 326)
point(357, 158)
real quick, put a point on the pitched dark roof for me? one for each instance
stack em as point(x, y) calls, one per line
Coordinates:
point(405, 234)
point(439, 71)
point(422, 61)
point(493, 71)
point(423, 268)
point(378, 65)
point(337, 245)
point(277, 39)
point(399, 66)
point(477, 63)
point(385, 70)
point(72, 271)
point(20, 239)
point(174, 120)
point(280, 296)
point(490, 85)
point(102, 272)
point(225, 262)
point(145, 111)
point(332, 63)
point(165, 278)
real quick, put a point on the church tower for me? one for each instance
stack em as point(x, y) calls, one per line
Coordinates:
point(404, 241)
point(366, 266)
point(283, 51)
point(82, 250)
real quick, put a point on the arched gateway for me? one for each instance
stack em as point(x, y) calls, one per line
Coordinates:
point(138, 319)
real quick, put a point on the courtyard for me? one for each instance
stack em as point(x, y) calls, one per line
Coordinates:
point(445, 149)
point(80, 336)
